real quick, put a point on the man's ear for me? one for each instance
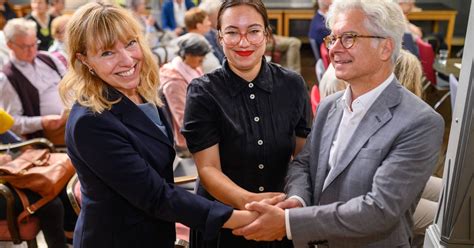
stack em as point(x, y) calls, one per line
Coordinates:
point(387, 49)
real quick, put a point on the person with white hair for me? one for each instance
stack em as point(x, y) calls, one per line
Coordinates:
point(29, 82)
point(372, 146)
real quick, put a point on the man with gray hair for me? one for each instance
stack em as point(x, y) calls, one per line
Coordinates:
point(371, 149)
point(28, 84)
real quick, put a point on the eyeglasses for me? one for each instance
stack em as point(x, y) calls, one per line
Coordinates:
point(232, 38)
point(347, 39)
point(27, 47)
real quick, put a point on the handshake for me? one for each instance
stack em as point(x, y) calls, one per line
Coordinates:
point(262, 220)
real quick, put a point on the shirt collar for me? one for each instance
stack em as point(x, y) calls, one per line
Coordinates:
point(18, 62)
point(366, 100)
point(237, 84)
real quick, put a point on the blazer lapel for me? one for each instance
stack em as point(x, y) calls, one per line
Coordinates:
point(329, 131)
point(129, 113)
point(378, 114)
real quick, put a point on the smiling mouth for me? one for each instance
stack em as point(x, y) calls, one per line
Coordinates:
point(127, 73)
point(244, 53)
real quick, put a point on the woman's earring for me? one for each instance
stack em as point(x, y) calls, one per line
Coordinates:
point(91, 71)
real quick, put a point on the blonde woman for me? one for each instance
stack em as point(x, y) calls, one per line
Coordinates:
point(119, 142)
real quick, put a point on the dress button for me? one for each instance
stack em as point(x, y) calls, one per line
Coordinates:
point(260, 142)
point(261, 188)
point(261, 166)
point(252, 96)
point(250, 85)
point(256, 119)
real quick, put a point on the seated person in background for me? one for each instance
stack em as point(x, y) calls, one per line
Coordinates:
point(172, 16)
point(290, 50)
point(6, 13)
point(58, 29)
point(51, 215)
point(39, 14)
point(175, 77)
point(154, 35)
point(317, 28)
point(211, 7)
point(197, 23)
point(412, 32)
point(29, 83)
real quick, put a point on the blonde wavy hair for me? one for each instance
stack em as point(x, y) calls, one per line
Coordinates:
point(94, 27)
point(409, 72)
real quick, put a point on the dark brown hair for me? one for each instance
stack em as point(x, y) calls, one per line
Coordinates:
point(256, 4)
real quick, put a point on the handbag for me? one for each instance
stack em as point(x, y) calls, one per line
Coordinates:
point(39, 171)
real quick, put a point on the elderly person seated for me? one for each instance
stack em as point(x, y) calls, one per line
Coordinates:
point(29, 84)
point(175, 77)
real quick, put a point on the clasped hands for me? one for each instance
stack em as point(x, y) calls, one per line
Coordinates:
point(270, 223)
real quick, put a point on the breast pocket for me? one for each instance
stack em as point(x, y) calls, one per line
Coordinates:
point(370, 153)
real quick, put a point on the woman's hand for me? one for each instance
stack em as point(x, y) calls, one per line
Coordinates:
point(267, 196)
point(240, 218)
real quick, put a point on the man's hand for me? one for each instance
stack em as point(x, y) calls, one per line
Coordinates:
point(53, 122)
point(270, 225)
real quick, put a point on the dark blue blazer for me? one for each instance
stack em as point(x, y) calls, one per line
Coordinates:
point(318, 29)
point(167, 15)
point(124, 164)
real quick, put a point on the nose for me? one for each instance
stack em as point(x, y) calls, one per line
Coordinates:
point(243, 40)
point(126, 57)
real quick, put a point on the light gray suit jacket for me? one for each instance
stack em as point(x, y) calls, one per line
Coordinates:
point(373, 191)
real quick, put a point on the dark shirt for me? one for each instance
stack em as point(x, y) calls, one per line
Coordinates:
point(255, 125)
point(43, 34)
point(318, 29)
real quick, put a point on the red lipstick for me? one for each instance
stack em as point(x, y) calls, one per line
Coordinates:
point(244, 53)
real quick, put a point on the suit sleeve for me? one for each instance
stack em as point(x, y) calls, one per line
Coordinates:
point(396, 186)
point(104, 147)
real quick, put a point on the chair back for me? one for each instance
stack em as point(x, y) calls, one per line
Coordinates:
point(320, 69)
point(324, 55)
point(453, 88)
point(315, 98)
point(427, 57)
point(315, 49)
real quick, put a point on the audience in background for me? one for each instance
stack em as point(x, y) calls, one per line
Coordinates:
point(211, 7)
point(412, 32)
point(39, 14)
point(29, 84)
point(6, 13)
point(175, 77)
point(58, 31)
point(197, 23)
point(172, 15)
point(317, 28)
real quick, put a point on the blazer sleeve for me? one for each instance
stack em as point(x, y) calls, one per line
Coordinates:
point(167, 16)
point(104, 147)
point(396, 186)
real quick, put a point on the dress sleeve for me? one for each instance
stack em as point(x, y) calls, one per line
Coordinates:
point(303, 126)
point(200, 125)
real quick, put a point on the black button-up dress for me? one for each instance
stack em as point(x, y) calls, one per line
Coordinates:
point(255, 124)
